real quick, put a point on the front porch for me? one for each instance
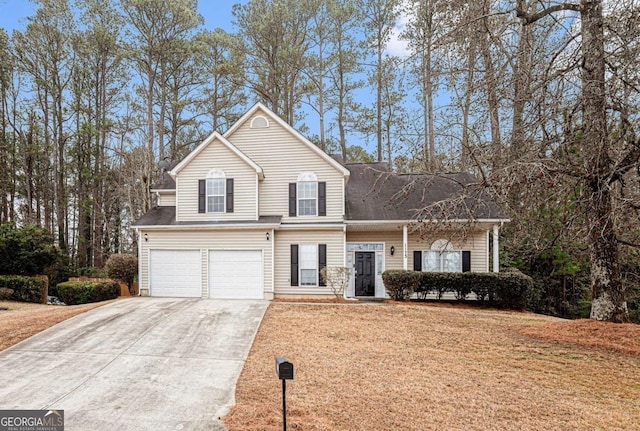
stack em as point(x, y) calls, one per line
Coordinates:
point(372, 248)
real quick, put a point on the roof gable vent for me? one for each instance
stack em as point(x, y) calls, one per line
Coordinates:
point(259, 122)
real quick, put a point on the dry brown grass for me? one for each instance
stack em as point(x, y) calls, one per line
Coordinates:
point(23, 319)
point(416, 367)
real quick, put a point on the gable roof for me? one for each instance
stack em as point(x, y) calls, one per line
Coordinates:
point(373, 193)
point(211, 138)
point(166, 183)
point(272, 116)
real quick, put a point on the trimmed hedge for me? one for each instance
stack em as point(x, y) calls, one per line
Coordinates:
point(400, 284)
point(25, 288)
point(84, 292)
point(503, 290)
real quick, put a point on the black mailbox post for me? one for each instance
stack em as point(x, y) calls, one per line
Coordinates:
point(284, 371)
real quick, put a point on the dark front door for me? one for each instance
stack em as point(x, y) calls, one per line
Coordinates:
point(365, 274)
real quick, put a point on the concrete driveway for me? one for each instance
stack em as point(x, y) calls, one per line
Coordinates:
point(136, 364)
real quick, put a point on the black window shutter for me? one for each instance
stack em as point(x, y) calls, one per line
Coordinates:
point(322, 199)
point(294, 264)
point(417, 261)
point(466, 261)
point(202, 196)
point(322, 261)
point(230, 195)
point(292, 200)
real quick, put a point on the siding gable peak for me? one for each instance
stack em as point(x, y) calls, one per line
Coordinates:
point(204, 144)
point(276, 119)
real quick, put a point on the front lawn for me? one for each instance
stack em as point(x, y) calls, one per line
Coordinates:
point(419, 367)
point(24, 319)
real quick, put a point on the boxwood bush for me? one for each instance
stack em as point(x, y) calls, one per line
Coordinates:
point(503, 290)
point(400, 284)
point(83, 292)
point(25, 288)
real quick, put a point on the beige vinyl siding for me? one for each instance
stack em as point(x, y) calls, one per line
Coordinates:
point(206, 240)
point(219, 156)
point(334, 239)
point(476, 242)
point(282, 157)
point(167, 199)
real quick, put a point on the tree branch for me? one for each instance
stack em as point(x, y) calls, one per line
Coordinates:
point(531, 18)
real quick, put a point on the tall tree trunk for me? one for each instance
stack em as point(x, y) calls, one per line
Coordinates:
point(608, 301)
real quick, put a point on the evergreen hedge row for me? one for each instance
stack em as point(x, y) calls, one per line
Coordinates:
point(25, 288)
point(503, 290)
point(84, 292)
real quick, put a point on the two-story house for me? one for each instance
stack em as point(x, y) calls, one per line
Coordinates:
point(259, 211)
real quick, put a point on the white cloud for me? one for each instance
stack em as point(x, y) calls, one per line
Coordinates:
point(396, 46)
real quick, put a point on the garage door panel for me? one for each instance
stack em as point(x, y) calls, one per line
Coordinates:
point(175, 273)
point(235, 274)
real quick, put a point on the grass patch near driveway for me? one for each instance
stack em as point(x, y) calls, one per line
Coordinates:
point(417, 367)
point(21, 320)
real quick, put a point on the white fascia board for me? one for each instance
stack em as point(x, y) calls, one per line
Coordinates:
point(163, 190)
point(259, 106)
point(312, 226)
point(395, 222)
point(243, 226)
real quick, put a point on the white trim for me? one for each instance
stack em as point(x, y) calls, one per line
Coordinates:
point(162, 190)
point(257, 200)
point(211, 138)
point(405, 248)
point(177, 200)
point(344, 258)
point(397, 222)
point(273, 260)
point(311, 226)
point(378, 287)
point(486, 254)
point(259, 106)
point(316, 261)
point(496, 249)
point(140, 239)
point(241, 226)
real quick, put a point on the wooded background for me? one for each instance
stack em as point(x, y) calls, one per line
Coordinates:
point(539, 99)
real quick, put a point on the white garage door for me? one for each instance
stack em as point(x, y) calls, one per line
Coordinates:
point(175, 273)
point(235, 274)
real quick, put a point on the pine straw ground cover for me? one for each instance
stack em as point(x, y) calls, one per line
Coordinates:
point(21, 320)
point(417, 367)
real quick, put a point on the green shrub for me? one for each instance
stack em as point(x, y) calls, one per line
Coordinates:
point(92, 272)
point(504, 290)
point(123, 267)
point(5, 293)
point(84, 292)
point(25, 289)
point(401, 284)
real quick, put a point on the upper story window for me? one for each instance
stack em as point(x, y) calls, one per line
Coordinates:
point(259, 122)
point(307, 196)
point(216, 193)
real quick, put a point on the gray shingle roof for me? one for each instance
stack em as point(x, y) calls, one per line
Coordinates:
point(166, 182)
point(373, 193)
point(166, 216)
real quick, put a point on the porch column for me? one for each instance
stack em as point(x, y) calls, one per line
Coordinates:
point(405, 248)
point(496, 258)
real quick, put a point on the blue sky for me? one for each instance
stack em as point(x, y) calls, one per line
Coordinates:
point(216, 13)
point(13, 13)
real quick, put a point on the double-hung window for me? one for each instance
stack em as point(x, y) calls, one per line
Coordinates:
point(308, 264)
point(215, 195)
point(307, 198)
